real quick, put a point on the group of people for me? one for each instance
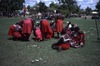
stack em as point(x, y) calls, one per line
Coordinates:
point(42, 30)
point(21, 30)
point(68, 36)
point(71, 36)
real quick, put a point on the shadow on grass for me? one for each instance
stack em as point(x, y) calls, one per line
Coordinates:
point(18, 39)
point(33, 39)
point(56, 37)
point(10, 39)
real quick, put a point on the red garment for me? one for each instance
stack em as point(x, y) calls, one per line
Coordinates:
point(59, 25)
point(38, 34)
point(44, 26)
point(64, 46)
point(79, 38)
point(14, 33)
point(11, 30)
point(17, 35)
point(50, 33)
point(82, 38)
point(76, 39)
point(27, 26)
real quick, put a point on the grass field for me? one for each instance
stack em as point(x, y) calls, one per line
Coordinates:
point(18, 53)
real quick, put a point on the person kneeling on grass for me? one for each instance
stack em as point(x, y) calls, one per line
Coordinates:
point(63, 42)
point(15, 31)
point(38, 34)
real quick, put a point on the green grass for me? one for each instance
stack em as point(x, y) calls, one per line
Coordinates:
point(18, 53)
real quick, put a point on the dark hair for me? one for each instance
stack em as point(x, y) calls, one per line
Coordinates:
point(63, 32)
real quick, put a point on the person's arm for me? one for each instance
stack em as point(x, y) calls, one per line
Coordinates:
point(60, 40)
point(66, 39)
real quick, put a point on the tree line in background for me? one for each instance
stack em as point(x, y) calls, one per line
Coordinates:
point(8, 7)
point(66, 7)
point(98, 7)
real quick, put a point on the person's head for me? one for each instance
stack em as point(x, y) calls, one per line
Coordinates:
point(68, 22)
point(17, 23)
point(37, 28)
point(63, 32)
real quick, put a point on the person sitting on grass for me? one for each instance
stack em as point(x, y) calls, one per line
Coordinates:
point(82, 38)
point(78, 40)
point(62, 43)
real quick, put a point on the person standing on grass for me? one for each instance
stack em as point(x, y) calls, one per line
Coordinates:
point(52, 25)
point(59, 25)
point(27, 28)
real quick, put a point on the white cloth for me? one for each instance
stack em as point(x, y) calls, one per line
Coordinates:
point(65, 38)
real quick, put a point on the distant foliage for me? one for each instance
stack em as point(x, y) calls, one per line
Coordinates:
point(9, 6)
point(98, 6)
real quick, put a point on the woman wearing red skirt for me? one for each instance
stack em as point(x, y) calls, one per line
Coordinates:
point(58, 25)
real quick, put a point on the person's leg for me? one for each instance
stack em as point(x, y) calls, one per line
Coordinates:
point(58, 35)
point(27, 36)
point(44, 36)
point(54, 46)
point(53, 34)
point(59, 48)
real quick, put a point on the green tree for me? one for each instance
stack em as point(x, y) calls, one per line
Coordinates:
point(69, 5)
point(77, 10)
point(10, 6)
point(41, 7)
point(53, 6)
point(98, 6)
point(28, 7)
point(88, 11)
point(81, 11)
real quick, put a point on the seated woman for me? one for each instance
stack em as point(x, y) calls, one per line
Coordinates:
point(82, 38)
point(63, 42)
point(78, 40)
